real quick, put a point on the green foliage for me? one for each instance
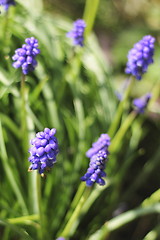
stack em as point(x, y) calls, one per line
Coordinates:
point(72, 91)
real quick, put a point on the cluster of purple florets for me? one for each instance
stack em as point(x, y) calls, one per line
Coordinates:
point(140, 56)
point(7, 3)
point(140, 104)
point(98, 155)
point(102, 143)
point(77, 32)
point(44, 150)
point(25, 57)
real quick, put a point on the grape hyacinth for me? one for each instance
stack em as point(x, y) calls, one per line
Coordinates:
point(77, 33)
point(95, 172)
point(141, 103)
point(25, 57)
point(44, 150)
point(119, 95)
point(101, 144)
point(98, 155)
point(7, 3)
point(140, 56)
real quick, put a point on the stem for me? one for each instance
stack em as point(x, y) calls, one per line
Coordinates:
point(24, 114)
point(23, 78)
point(121, 132)
point(78, 194)
point(75, 200)
point(120, 109)
point(90, 11)
point(40, 212)
point(70, 225)
point(4, 31)
point(114, 148)
point(94, 195)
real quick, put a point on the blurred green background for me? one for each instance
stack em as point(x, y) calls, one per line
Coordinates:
point(81, 104)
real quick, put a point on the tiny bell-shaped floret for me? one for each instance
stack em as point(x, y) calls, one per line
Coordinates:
point(95, 172)
point(140, 104)
point(98, 155)
point(101, 144)
point(44, 150)
point(25, 57)
point(77, 33)
point(7, 3)
point(140, 57)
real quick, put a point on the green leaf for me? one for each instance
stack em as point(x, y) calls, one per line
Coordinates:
point(21, 232)
point(10, 173)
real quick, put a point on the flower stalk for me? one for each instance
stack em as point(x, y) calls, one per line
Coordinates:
point(121, 107)
point(40, 211)
point(70, 224)
point(24, 93)
point(89, 16)
point(75, 201)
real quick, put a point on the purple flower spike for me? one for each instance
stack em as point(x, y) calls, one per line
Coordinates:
point(141, 103)
point(95, 172)
point(7, 3)
point(101, 144)
point(77, 32)
point(44, 151)
point(25, 57)
point(60, 238)
point(98, 155)
point(140, 56)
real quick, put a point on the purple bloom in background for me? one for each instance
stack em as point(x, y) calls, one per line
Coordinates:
point(95, 172)
point(141, 103)
point(25, 57)
point(140, 56)
point(98, 155)
point(60, 238)
point(7, 3)
point(77, 33)
point(119, 95)
point(44, 150)
point(101, 144)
